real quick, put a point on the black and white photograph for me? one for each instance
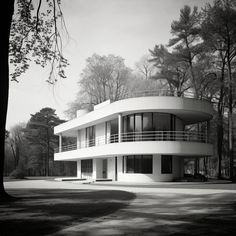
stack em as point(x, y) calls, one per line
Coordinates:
point(118, 118)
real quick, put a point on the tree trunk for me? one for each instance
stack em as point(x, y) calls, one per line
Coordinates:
point(219, 143)
point(6, 20)
point(230, 120)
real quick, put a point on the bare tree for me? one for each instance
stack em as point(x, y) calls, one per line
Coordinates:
point(103, 78)
point(145, 67)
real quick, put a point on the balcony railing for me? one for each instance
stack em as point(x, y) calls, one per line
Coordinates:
point(161, 92)
point(186, 136)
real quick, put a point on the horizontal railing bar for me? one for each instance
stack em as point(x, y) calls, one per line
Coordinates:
point(139, 136)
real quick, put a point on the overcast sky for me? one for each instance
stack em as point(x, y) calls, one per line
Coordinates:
point(127, 28)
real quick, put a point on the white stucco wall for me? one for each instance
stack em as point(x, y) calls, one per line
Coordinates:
point(99, 168)
point(111, 168)
point(138, 148)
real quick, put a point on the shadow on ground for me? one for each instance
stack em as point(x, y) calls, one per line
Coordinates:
point(42, 212)
point(166, 214)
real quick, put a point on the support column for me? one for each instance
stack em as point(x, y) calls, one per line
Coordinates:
point(60, 142)
point(78, 139)
point(120, 128)
point(79, 169)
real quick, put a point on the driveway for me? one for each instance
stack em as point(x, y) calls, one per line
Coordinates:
point(70, 208)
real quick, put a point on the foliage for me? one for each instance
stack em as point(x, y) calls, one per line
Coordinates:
point(17, 174)
point(40, 137)
point(35, 35)
point(186, 41)
point(170, 68)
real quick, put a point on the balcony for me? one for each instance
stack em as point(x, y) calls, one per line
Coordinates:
point(147, 136)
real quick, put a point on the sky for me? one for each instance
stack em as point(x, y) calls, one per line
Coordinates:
point(126, 28)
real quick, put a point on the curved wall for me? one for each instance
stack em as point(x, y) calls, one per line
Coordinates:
point(188, 109)
point(137, 148)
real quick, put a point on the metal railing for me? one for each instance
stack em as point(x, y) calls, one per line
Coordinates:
point(186, 136)
point(161, 92)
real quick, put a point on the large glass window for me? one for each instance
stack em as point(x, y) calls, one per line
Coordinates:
point(130, 128)
point(150, 126)
point(114, 130)
point(162, 124)
point(90, 136)
point(139, 164)
point(166, 164)
point(87, 166)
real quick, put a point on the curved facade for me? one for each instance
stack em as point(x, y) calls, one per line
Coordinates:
point(136, 139)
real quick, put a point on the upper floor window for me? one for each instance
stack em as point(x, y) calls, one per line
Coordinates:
point(146, 126)
point(90, 136)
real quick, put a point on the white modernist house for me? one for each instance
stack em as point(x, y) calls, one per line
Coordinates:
point(141, 138)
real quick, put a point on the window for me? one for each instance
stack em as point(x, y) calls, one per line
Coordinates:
point(166, 164)
point(139, 164)
point(87, 166)
point(147, 127)
point(138, 127)
point(90, 136)
point(114, 130)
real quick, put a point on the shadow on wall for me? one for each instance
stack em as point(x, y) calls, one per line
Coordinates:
point(43, 212)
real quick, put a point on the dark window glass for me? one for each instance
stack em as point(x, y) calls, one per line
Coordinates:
point(87, 166)
point(147, 127)
point(139, 164)
point(129, 164)
point(130, 123)
point(147, 122)
point(166, 164)
point(179, 126)
point(90, 136)
point(114, 130)
point(130, 128)
point(125, 124)
point(162, 123)
point(147, 164)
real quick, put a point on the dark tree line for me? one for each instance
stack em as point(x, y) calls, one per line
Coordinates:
point(30, 148)
point(200, 58)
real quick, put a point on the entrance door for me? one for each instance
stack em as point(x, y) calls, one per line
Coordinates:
point(104, 168)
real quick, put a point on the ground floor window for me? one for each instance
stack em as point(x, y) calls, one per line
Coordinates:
point(139, 164)
point(166, 164)
point(87, 166)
